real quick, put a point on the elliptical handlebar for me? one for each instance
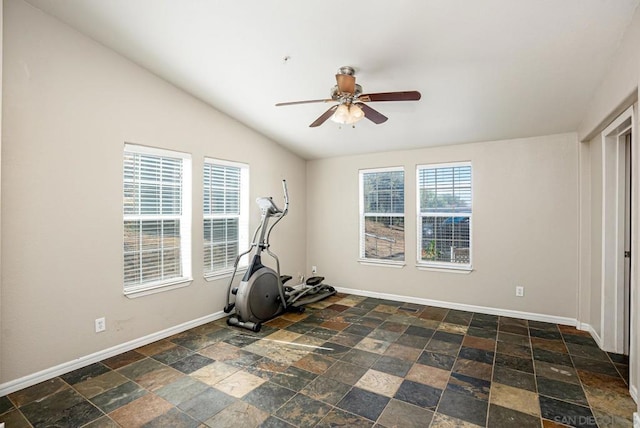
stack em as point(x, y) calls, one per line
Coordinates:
point(280, 213)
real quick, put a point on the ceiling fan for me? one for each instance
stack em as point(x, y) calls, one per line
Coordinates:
point(351, 106)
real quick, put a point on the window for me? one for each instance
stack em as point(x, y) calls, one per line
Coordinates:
point(444, 215)
point(157, 218)
point(226, 218)
point(382, 215)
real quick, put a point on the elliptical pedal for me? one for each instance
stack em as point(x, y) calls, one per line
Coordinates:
point(285, 278)
point(315, 280)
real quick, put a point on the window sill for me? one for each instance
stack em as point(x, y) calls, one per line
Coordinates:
point(464, 270)
point(158, 288)
point(214, 276)
point(385, 263)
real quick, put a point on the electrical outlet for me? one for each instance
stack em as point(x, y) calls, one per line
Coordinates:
point(519, 291)
point(101, 324)
point(314, 269)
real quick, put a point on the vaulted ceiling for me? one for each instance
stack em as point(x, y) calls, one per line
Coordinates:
point(487, 69)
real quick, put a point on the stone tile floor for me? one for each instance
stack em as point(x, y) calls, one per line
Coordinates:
point(347, 361)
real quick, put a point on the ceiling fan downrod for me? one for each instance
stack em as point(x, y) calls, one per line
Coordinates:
point(347, 69)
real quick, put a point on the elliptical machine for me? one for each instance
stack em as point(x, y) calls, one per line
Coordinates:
point(261, 294)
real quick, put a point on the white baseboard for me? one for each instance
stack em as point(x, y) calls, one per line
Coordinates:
point(589, 328)
point(462, 306)
point(60, 369)
point(636, 420)
point(633, 391)
point(41, 376)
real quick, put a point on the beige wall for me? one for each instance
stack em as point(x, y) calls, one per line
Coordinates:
point(584, 223)
point(525, 211)
point(594, 288)
point(69, 106)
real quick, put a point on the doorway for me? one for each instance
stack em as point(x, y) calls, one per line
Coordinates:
point(618, 202)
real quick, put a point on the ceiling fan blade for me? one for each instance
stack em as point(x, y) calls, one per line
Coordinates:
point(391, 96)
point(346, 83)
point(373, 115)
point(290, 103)
point(322, 119)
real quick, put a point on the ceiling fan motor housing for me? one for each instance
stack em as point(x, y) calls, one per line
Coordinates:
point(342, 98)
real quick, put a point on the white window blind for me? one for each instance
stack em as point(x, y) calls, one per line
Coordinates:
point(382, 215)
point(156, 217)
point(444, 215)
point(225, 214)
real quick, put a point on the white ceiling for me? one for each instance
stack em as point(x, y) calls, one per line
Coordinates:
point(487, 69)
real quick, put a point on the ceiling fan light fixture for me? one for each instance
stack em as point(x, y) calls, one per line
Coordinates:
point(341, 115)
point(347, 115)
point(356, 113)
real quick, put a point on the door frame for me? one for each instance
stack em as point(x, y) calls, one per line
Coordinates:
point(613, 229)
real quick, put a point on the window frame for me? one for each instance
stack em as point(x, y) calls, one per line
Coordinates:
point(243, 219)
point(185, 278)
point(362, 215)
point(441, 265)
